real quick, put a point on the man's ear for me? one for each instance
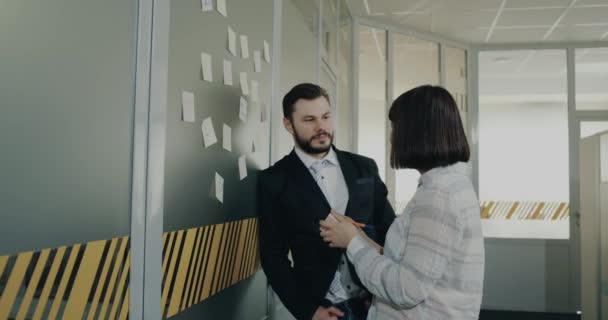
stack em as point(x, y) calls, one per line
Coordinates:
point(288, 125)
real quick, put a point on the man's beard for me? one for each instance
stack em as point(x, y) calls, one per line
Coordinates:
point(306, 145)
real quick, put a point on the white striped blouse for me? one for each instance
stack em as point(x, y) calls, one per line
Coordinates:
point(433, 261)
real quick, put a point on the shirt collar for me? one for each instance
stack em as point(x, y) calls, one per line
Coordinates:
point(308, 160)
point(462, 168)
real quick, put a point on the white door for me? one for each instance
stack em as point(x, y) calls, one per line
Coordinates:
point(593, 157)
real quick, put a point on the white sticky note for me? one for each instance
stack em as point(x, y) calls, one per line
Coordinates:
point(242, 167)
point(221, 7)
point(244, 46)
point(257, 61)
point(255, 92)
point(243, 109)
point(219, 188)
point(206, 66)
point(187, 106)
point(208, 133)
point(232, 41)
point(206, 5)
point(227, 138)
point(244, 84)
point(266, 51)
point(263, 113)
point(228, 73)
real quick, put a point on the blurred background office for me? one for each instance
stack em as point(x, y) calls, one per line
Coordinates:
point(131, 135)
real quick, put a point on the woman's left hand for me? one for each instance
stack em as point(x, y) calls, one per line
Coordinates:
point(338, 233)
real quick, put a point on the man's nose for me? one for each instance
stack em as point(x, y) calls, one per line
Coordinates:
point(322, 125)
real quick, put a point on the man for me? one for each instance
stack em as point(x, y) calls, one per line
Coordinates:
point(299, 191)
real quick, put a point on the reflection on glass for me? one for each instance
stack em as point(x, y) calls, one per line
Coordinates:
point(298, 60)
point(372, 95)
point(330, 31)
point(456, 79)
point(591, 79)
point(416, 62)
point(344, 116)
point(523, 144)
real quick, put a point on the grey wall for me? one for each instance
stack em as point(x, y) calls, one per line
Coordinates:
point(66, 121)
point(189, 167)
point(298, 61)
point(527, 275)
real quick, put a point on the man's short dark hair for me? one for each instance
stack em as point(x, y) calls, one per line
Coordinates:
point(306, 91)
point(427, 130)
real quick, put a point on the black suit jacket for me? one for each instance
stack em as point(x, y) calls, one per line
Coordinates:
point(290, 206)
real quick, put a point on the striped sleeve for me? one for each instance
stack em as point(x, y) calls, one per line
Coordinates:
point(430, 238)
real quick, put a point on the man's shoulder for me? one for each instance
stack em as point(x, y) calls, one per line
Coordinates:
point(277, 169)
point(359, 159)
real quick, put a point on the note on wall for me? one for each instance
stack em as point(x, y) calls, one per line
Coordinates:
point(218, 188)
point(232, 41)
point(227, 138)
point(263, 112)
point(209, 137)
point(242, 167)
point(266, 51)
point(206, 67)
point(255, 92)
point(244, 84)
point(243, 109)
point(227, 73)
point(221, 7)
point(206, 5)
point(244, 46)
point(187, 106)
point(257, 61)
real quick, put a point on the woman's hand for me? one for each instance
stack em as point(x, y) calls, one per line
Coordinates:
point(338, 232)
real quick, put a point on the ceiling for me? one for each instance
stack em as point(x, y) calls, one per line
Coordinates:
point(494, 21)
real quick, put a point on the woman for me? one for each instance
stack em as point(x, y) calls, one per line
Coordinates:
point(432, 263)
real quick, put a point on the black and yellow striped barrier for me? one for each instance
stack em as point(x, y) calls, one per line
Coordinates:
point(525, 210)
point(91, 280)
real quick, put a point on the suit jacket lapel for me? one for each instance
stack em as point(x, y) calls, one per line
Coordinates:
point(350, 173)
point(308, 186)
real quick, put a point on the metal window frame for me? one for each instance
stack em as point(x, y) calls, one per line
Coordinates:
point(148, 158)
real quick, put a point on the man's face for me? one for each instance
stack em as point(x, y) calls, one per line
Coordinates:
point(311, 125)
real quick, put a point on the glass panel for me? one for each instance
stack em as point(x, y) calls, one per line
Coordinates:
point(327, 80)
point(344, 117)
point(210, 258)
point(523, 144)
point(67, 88)
point(298, 60)
point(330, 31)
point(416, 62)
point(591, 79)
point(456, 80)
point(372, 95)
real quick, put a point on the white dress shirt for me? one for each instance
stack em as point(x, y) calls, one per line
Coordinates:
point(329, 177)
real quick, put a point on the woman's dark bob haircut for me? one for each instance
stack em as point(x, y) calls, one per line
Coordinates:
point(427, 130)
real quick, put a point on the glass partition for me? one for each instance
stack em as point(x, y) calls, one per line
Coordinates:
point(523, 144)
point(416, 63)
point(372, 95)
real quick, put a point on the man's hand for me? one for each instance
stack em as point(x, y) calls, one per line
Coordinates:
point(331, 313)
